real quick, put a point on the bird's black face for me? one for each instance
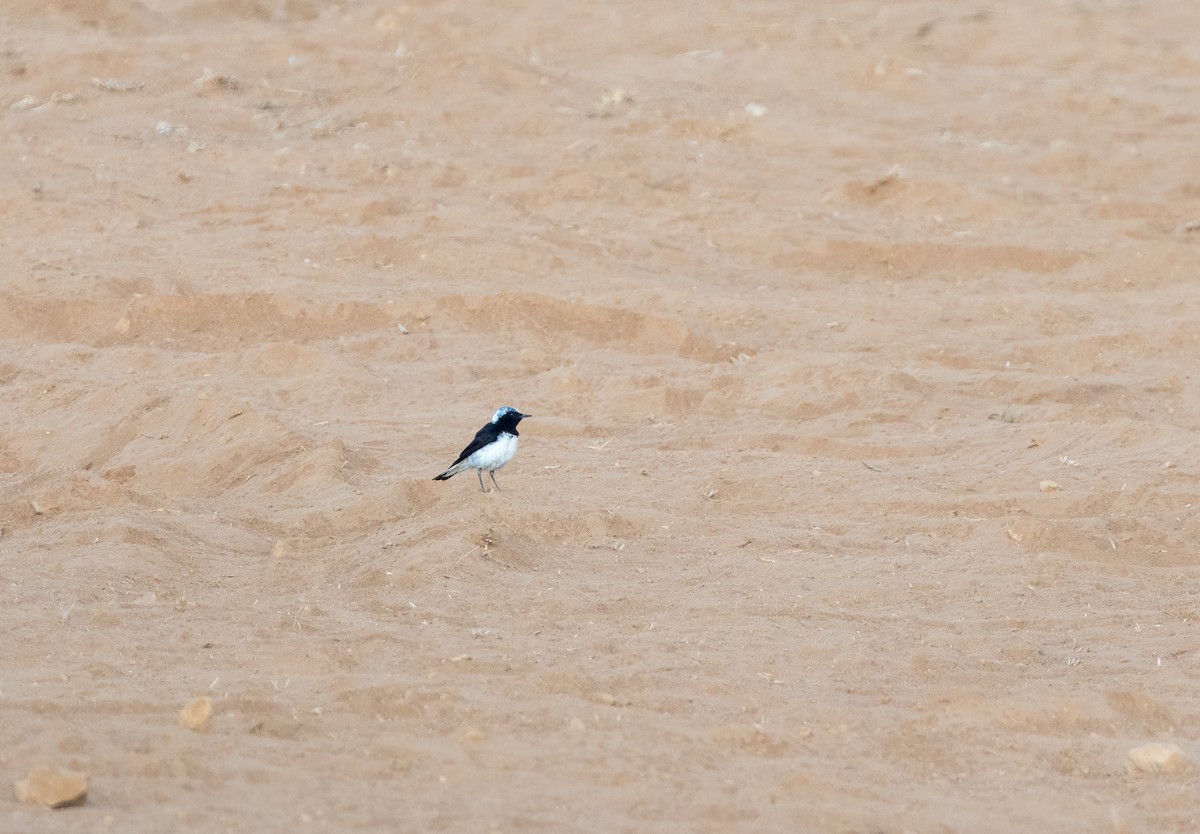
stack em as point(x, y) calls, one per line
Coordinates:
point(506, 419)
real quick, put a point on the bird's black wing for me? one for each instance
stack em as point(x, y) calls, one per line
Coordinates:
point(482, 438)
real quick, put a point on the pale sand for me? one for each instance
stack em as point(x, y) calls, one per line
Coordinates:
point(809, 300)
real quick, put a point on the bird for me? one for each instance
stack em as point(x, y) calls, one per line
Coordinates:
point(494, 445)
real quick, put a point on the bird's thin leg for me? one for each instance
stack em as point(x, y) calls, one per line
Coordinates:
point(479, 472)
point(493, 474)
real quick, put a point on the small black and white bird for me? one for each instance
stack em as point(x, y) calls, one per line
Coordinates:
point(494, 445)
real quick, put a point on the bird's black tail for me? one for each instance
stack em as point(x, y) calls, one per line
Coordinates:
point(459, 466)
point(449, 473)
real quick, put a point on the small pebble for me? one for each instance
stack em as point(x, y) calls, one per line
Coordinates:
point(197, 714)
point(52, 787)
point(1156, 757)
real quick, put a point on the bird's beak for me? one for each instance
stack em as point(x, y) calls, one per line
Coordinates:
point(523, 416)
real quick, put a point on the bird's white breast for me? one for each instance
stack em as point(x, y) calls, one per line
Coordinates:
point(495, 454)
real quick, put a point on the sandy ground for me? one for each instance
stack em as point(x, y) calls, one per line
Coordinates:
point(862, 491)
